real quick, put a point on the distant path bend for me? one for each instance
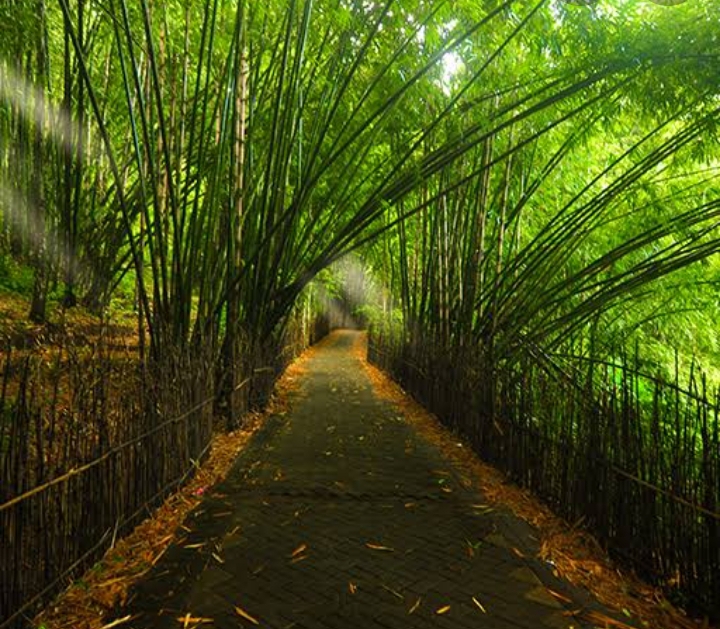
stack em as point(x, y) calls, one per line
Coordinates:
point(339, 515)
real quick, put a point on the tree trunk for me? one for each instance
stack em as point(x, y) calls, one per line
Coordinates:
point(37, 196)
point(232, 342)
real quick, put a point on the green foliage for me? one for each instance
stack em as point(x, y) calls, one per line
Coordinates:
point(15, 276)
point(512, 171)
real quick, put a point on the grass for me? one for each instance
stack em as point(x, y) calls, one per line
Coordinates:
point(14, 276)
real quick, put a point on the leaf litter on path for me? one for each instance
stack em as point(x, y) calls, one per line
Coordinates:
point(105, 587)
point(576, 556)
point(243, 614)
point(299, 554)
point(190, 622)
point(117, 623)
point(415, 606)
point(479, 605)
point(395, 593)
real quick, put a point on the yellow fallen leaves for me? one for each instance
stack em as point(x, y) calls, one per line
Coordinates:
point(189, 621)
point(157, 558)
point(352, 587)
point(116, 623)
point(298, 554)
point(561, 597)
point(415, 606)
point(395, 593)
point(243, 614)
point(479, 605)
point(379, 547)
point(443, 610)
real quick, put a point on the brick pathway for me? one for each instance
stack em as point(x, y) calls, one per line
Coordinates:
point(339, 516)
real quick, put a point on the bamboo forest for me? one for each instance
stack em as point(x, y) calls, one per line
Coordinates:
point(359, 313)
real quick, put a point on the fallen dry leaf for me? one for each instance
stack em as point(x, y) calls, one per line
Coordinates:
point(393, 592)
point(443, 610)
point(561, 597)
point(157, 558)
point(352, 587)
point(243, 614)
point(117, 623)
point(189, 620)
point(379, 547)
point(300, 549)
point(480, 605)
point(415, 606)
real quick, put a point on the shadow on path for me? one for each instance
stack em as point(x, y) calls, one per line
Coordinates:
point(338, 515)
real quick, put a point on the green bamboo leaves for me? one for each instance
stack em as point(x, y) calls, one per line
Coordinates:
point(267, 142)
